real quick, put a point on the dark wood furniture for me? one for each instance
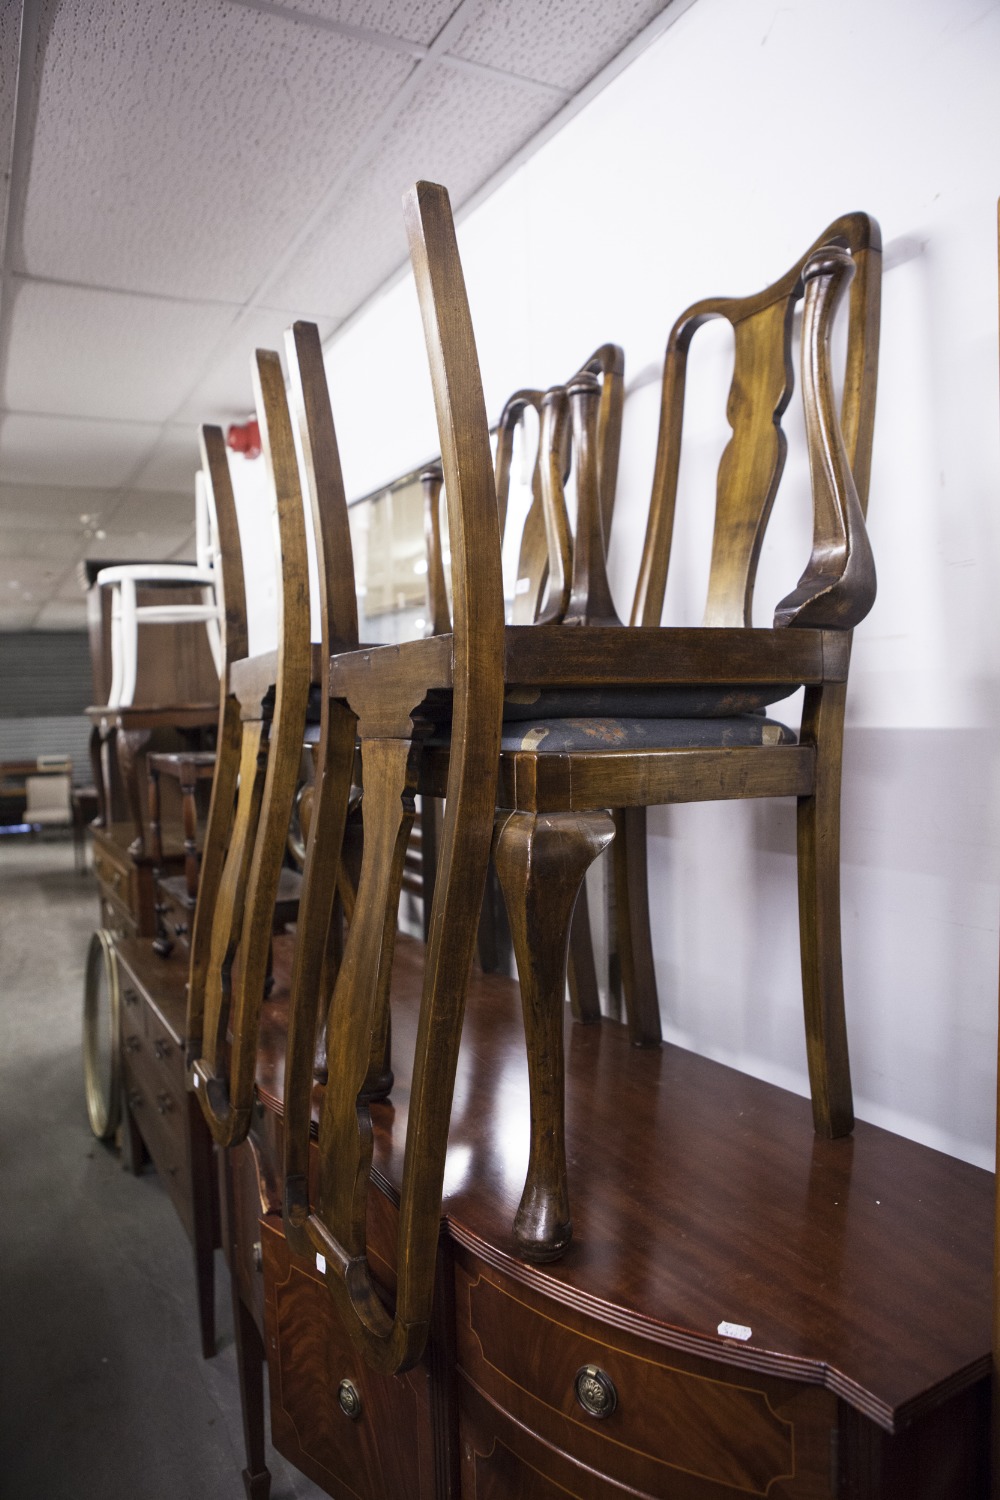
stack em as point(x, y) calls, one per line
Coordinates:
point(440, 703)
point(126, 885)
point(160, 1112)
point(177, 895)
point(855, 1275)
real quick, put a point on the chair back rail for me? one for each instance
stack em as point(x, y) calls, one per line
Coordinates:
point(751, 465)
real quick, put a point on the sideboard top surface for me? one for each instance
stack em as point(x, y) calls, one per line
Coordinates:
point(700, 1196)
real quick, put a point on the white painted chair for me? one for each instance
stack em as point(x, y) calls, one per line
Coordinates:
point(127, 615)
point(47, 801)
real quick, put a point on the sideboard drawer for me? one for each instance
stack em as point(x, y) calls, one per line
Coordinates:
point(385, 1446)
point(630, 1410)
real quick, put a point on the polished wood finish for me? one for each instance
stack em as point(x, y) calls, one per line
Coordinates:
point(162, 1111)
point(270, 751)
point(861, 1268)
point(126, 884)
point(188, 770)
point(402, 694)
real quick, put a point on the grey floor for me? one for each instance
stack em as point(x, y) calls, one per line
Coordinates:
point(103, 1392)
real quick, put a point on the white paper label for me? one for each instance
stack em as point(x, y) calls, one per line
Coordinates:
point(321, 1268)
point(735, 1331)
point(197, 1081)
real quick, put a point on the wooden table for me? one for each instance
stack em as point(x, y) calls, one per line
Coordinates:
point(854, 1277)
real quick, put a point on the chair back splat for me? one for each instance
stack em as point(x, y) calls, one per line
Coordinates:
point(752, 464)
point(270, 733)
point(395, 708)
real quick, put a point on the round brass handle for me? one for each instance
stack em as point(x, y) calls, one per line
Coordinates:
point(349, 1398)
point(595, 1391)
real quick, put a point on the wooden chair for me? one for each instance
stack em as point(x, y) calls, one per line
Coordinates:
point(160, 1111)
point(682, 722)
point(260, 745)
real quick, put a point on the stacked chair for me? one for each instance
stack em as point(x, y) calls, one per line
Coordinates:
point(546, 738)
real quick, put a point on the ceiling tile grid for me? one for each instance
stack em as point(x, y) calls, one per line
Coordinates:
point(190, 176)
point(173, 462)
point(457, 130)
point(73, 350)
point(226, 392)
point(252, 112)
point(71, 450)
point(553, 42)
point(410, 20)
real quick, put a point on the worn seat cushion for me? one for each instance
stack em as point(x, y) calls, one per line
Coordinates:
point(570, 736)
point(716, 702)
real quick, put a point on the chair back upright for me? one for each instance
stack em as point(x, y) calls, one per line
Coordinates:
point(397, 693)
point(270, 731)
point(216, 490)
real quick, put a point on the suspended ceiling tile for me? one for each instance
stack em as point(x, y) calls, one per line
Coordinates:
point(458, 131)
point(71, 451)
point(45, 507)
point(27, 577)
point(412, 20)
point(173, 463)
point(553, 43)
point(167, 512)
point(52, 546)
point(204, 203)
point(62, 614)
point(226, 393)
point(105, 354)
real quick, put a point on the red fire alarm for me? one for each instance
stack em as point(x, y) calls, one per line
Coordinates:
point(245, 438)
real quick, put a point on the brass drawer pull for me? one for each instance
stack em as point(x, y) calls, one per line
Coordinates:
point(595, 1391)
point(350, 1399)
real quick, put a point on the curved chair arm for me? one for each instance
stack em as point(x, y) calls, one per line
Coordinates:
point(837, 589)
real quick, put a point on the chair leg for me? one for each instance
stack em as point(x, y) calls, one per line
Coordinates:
point(251, 1358)
point(204, 1214)
point(635, 948)
point(819, 918)
point(541, 860)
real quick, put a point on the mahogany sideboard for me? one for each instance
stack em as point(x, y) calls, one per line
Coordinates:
point(744, 1310)
point(161, 1113)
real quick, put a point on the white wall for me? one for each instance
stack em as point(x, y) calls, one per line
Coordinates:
point(707, 167)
